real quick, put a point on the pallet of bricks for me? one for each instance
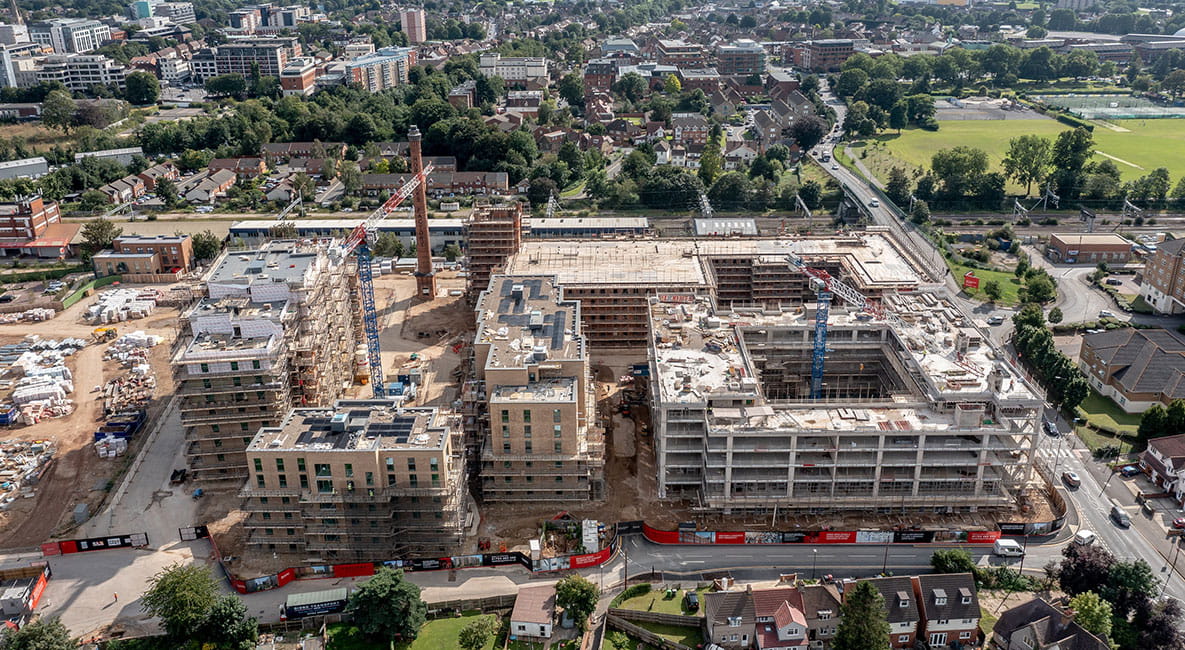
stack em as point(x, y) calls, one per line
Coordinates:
point(125, 398)
point(22, 463)
point(37, 373)
point(118, 305)
point(35, 315)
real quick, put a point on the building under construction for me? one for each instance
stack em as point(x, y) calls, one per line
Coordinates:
point(919, 413)
point(363, 480)
point(535, 401)
point(613, 279)
point(277, 329)
point(492, 235)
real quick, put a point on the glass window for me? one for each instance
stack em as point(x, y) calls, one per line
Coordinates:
point(370, 478)
point(349, 470)
point(505, 415)
point(279, 464)
point(322, 469)
point(234, 365)
point(526, 415)
point(283, 480)
point(255, 364)
point(324, 487)
point(304, 481)
point(259, 480)
point(527, 447)
point(205, 367)
point(556, 415)
point(258, 465)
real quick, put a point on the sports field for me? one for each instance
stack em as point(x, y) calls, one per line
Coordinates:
point(1136, 147)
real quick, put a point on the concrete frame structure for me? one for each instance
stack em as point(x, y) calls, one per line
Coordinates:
point(918, 415)
point(364, 480)
point(277, 330)
point(492, 234)
point(531, 363)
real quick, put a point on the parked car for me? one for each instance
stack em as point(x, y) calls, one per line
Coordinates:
point(1113, 281)
point(1104, 313)
point(1129, 470)
point(995, 320)
point(7, 298)
point(1148, 508)
point(691, 601)
point(1071, 479)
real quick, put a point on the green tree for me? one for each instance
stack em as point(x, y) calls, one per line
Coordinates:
point(388, 245)
point(630, 86)
point(811, 194)
point(41, 634)
point(808, 131)
point(227, 85)
point(1092, 613)
point(953, 560)
point(1027, 160)
point(920, 213)
point(477, 632)
point(1129, 586)
point(97, 235)
point(1055, 315)
point(541, 188)
point(863, 625)
point(181, 595)
point(851, 82)
point(1174, 419)
point(206, 245)
point(1071, 150)
point(992, 290)
point(388, 607)
point(571, 88)
point(898, 188)
point(1029, 316)
point(452, 252)
point(671, 85)
point(1038, 289)
point(166, 191)
point(578, 596)
point(958, 168)
point(142, 88)
point(57, 111)
point(194, 159)
point(350, 176)
point(898, 116)
point(730, 191)
point(228, 627)
point(93, 200)
point(711, 162)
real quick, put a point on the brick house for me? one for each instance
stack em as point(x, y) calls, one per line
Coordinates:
point(901, 607)
point(949, 610)
point(1136, 368)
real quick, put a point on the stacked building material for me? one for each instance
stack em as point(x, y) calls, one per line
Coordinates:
point(129, 392)
point(119, 305)
point(34, 315)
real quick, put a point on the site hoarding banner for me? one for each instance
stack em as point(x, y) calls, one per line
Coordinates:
point(982, 536)
point(50, 548)
point(38, 590)
point(353, 570)
point(1011, 529)
point(103, 543)
point(285, 576)
point(730, 538)
point(913, 536)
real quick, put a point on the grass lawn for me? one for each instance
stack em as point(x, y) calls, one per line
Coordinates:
point(1104, 412)
point(656, 601)
point(1009, 285)
point(688, 636)
point(435, 635)
point(1148, 144)
point(34, 134)
point(987, 621)
point(515, 645)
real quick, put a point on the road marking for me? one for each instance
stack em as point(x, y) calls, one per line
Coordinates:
point(862, 556)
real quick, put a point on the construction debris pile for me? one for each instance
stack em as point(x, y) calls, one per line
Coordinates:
point(42, 380)
point(129, 392)
point(117, 305)
point(125, 398)
point(35, 315)
point(21, 466)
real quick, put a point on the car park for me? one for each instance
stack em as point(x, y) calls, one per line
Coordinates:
point(1071, 479)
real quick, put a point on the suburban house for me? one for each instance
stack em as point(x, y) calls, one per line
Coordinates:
point(440, 183)
point(128, 188)
point(738, 155)
point(690, 127)
point(533, 613)
point(902, 610)
point(821, 605)
point(275, 152)
point(730, 618)
point(1164, 462)
point(1037, 625)
point(1135, 367)
point(949, 610)
point(165, 170)
point(780, 619)
point(204, 188)
point(242, 167)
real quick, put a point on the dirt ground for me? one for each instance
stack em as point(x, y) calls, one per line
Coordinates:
point(77, 474)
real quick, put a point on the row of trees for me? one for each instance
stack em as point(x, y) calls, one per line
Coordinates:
point(1158, 421)
point(1064, 383)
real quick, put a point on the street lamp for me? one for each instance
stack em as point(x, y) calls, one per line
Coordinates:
point(814, 561)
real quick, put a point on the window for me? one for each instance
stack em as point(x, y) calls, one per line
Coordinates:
point(964, 635)
point(966, 600)
point(258, 465)
point(943, 621)
point(505, 415)
point(824, 614)
point(370, 478)
point(413, 480)
point(527, 447)
point(325, 487)
point(304, 481)
point(436, 480)
point(505, 431)
point(255, 365)
point(556, 415)
point(349, 470)
point(557, 432)
point(259, 480)
point(411, 464)
point(734, 621)
point(322, 469)
point(904, 602)
point(205, 367)
point(206, 383)
point(279, 464)
point(234, 365)
point(283, 480)
point(267, 515)
point(526, 415)
point(243, 426)
point(527, 431)
point(903, 638)
point(938, 638)
point(559, 446)
point(300, 464)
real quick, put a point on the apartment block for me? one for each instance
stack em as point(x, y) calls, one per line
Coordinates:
point(81, 72)
point(362, 480)
point(414, 26)
point(271, 55)
point(1164, 278)
point(515, 70)
point(740, 58)
point(541, 442)
point(384, 69)
point(1135, 367)
point(26, 219)
point(299, 77)
point(918, 413)
point(682, 54)
point(70, 35)
point(276, 330)
point(826, 55)
point(492, 235)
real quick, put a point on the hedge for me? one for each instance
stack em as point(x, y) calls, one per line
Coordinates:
point(46, 274)
point(631, 592)
point(1065, 118)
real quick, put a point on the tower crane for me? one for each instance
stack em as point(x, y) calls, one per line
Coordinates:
point(827, 287)
point(358, 242)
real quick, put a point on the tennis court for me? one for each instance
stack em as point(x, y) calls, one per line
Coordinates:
point(1111, 107)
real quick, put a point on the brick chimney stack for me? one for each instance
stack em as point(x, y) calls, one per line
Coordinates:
point(425, 277)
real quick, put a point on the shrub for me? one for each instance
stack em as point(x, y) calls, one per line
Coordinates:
point(632, 592)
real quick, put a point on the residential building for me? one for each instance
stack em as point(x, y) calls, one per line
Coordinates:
point(203, 65)
point(155, 173)
point(204, 188)
point(599, 74)
point(463, 96)
point(1164, 278)
point(1093, 248)
point(821, 603)
point(161, 258)
point(533, 615)
point(1037, 625)
point(948, 610)
point(620, 47)
point(25, 219)
point(1135, 367)
point(275, 331)
point(530, 72)
point(705, 79)
point(1164, 463)
point(542, 441)
point(179, 13)
point(246, 21)
point(128, 188)
point(362, 480)
point(682, 54)
point(299, 77)
point(737, 431)
point(24, 168)
point(730, 619)
point(690, 127)
point(386, 68)
point(741, 58)
point(414, 25)
point(901, 609)
point(70, 35)
point(442, 232)
point(281, 152)
point(441, 183)
point(357, 47)
point(173, 68)
point(242, 167)
point(826, 55)
point(174, 251)
point(492, 235)
point(82, 72)
point(267, 55)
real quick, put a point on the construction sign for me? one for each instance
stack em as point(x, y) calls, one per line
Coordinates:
point(970, 281)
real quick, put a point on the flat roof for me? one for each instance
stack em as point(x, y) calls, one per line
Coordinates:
point(1094, 239)
point(151, 239)
point(276, 261)
point(344, 225)
point(355, 425)
point(526, 320)
point(590, 223)
point(22, 162)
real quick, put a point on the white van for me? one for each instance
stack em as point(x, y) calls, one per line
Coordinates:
point(1084, 538)
point(1008, 548)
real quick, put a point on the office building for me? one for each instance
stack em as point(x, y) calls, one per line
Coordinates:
point(358, 481)
point(276, 330)
point(70, 35)
point(241, 56)
point(414, 26)
point(534, 395)
point(740, 58)
point(826, 55)
point(82, 72)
